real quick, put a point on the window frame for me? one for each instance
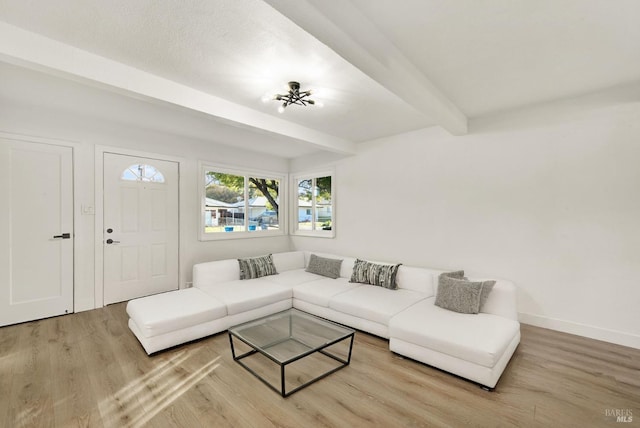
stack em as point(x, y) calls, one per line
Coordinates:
point(294, 223)
point(246, 173)
point(142, 178)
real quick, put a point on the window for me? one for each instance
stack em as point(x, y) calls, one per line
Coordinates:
point(314, 214)
point(139, 172)
point(239, 205)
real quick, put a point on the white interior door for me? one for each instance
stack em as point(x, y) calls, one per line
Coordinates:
point(140, 227)
point(36, 220)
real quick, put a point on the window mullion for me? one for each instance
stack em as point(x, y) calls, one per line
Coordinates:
point(246, 203)
point(313, 203)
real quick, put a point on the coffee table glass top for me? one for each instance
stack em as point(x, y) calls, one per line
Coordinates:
point(288, 335)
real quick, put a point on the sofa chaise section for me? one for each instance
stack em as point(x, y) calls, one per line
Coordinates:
point(168, 319)
point(474, 346)
point(217, 300)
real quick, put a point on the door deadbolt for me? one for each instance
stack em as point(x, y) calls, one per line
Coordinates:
point(109, 230)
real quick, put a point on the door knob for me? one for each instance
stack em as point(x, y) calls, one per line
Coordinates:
point(63, 236)
point(111, 241)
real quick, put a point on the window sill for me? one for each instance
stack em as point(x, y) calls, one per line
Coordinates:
point(315, 233)
point(224, 236)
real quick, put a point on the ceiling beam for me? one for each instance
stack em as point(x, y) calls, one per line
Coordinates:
point(344, 29)
point(31, 50)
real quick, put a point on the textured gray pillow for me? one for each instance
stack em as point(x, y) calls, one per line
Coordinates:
point(257, 267)
point(455, 274)
point(487, 286)
point(375, 274)
point(324, 266)
point(458, 295)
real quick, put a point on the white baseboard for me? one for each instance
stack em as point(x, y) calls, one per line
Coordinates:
point(611, 336)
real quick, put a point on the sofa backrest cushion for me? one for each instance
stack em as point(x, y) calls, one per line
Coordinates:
point(289, 261)
point(222, 271)
point(418, 279)
point(216, 272)
point(501, 300)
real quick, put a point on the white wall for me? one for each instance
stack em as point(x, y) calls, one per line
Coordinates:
point(85, 133)
point(548, 197)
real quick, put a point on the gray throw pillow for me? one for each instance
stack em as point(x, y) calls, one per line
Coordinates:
point(324, 266)
point(455, 274)
point(257, 267)
point(487, 286)
point(458, 295)
point(365, 272)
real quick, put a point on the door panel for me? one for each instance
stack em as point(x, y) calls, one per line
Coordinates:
point(141, 209)
point(36, 262)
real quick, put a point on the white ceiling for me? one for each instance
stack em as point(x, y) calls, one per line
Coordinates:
point(382, 67)
point(495, 55)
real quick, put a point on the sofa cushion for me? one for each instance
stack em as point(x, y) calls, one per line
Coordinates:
point(324, 266)
point(347, 263)
point(320, 292)
point(487, 286)
point(291, 260)
point(292, 278)
point(458, 295)
point(257, 267)
point(383, 275)
point(502, 300)
point(417, 279)
point(242, 295)
point(174, 310)
point(372, 303)
point(215, 272)
point(481, 339)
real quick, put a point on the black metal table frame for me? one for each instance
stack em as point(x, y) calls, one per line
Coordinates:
point(284, 364)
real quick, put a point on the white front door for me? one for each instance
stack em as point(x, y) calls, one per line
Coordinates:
point(140, 227)
point(36, 224)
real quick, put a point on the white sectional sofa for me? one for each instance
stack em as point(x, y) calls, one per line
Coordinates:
point(476, 347)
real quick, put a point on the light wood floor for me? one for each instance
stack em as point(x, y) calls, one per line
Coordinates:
point(87, 369)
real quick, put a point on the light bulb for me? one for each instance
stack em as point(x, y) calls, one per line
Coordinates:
point(281, 109)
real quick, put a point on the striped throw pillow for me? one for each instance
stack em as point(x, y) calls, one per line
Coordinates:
point(365, 272)
point(257, 267)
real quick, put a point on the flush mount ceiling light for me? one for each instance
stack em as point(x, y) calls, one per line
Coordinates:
point(295, 96)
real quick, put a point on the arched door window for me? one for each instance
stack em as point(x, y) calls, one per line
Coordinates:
point(142, 172)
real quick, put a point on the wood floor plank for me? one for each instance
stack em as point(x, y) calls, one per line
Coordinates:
point(30, 400)
point(87, 369)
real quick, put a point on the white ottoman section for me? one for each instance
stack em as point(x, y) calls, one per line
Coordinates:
point(476, 347)
point(176, 317)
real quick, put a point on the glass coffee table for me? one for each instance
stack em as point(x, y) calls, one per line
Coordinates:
point(288, 337)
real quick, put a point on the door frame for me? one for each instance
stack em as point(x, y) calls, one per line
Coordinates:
point(75, 186)
point(99, 212)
